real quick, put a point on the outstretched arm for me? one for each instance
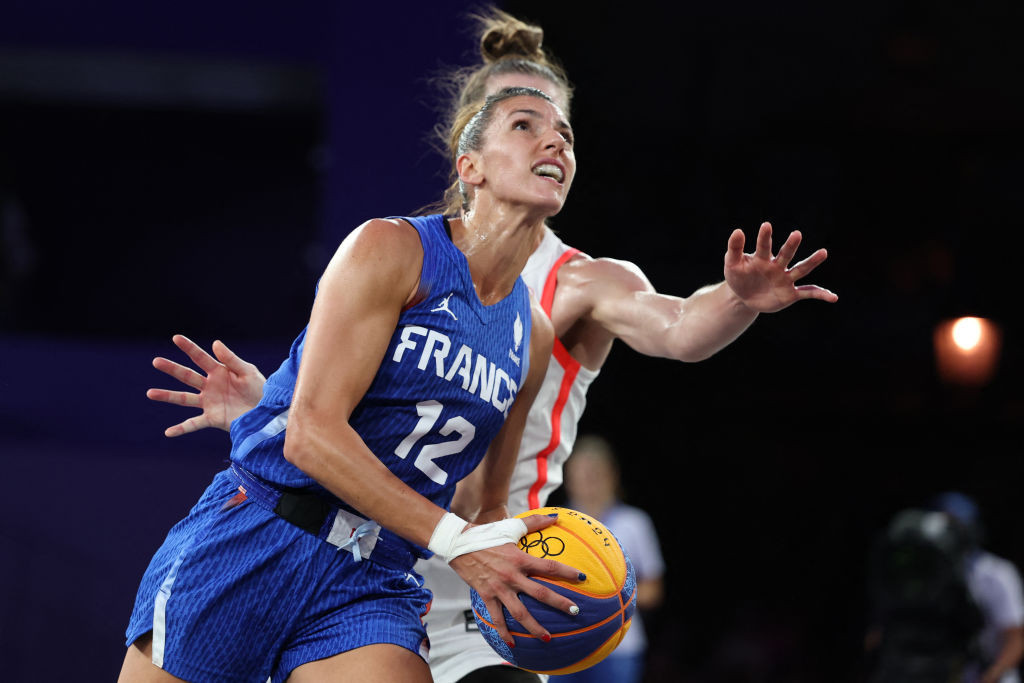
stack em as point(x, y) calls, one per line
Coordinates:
point(624, 303)
point(230, 387)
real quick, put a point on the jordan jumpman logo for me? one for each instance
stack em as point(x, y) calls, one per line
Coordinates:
point(444, 306)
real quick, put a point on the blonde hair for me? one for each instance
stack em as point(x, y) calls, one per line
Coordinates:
point(507, 45)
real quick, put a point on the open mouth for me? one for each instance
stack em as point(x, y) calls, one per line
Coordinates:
point(552, 171)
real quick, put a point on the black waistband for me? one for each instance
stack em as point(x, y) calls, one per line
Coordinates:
point(330, 523)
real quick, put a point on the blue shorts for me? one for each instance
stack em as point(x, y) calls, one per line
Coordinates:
point(239, 594)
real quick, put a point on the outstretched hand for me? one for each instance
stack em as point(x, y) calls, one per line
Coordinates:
point(500, 573)
point(230, 387)
point(766, 283)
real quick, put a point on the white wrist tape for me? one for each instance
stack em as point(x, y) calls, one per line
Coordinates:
point(449, 540)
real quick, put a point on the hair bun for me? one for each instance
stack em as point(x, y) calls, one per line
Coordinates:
point(511, 38)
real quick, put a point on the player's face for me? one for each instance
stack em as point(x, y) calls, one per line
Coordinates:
point(527, 155)
point(514, 80)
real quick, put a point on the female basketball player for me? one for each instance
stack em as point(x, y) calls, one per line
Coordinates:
point(591, 303)
point(421, 336)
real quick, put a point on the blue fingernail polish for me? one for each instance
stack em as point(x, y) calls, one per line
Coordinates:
point(553, 514)
point(582, 576)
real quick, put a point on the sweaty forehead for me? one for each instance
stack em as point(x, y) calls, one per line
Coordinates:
point(517, 80)
point(531, 103)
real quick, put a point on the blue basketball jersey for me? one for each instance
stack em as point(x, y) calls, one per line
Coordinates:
point(451, 371)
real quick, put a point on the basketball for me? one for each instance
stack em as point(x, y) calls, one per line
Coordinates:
point(606, 599)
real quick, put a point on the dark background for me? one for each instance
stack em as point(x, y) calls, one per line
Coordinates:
point(189, 167)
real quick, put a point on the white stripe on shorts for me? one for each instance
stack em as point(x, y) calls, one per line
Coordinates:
point(160, 611)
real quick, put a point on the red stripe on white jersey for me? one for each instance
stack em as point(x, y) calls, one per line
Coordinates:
point(570, 368)
point(548, 297)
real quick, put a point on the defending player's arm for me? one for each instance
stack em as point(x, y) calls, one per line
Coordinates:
point(361, 295)
point(619, 298)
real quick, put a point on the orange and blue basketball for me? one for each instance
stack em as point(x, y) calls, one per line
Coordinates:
point(606, 599)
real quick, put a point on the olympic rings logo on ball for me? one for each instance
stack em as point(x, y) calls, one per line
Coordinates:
point(547, 545)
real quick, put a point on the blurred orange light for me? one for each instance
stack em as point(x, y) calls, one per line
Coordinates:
point(967, 333)
point(967, 350)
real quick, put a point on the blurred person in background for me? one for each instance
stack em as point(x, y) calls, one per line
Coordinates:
point(943, 609)
point(924, 623)
point(995, 584)
point(593, 486)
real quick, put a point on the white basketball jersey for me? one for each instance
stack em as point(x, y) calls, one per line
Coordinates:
point(551, 426)
point(456, 646)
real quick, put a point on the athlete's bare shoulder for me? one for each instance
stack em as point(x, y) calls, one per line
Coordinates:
point(585, 285)
point(388, 247)
point(585, 280)
point(386, 234)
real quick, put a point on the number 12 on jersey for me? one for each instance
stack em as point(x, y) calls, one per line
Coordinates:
point(429, 412)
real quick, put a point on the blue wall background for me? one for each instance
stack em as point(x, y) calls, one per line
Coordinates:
point(163, 159)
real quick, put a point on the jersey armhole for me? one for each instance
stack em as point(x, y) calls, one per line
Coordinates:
point(548, 296)
point(426, 269)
